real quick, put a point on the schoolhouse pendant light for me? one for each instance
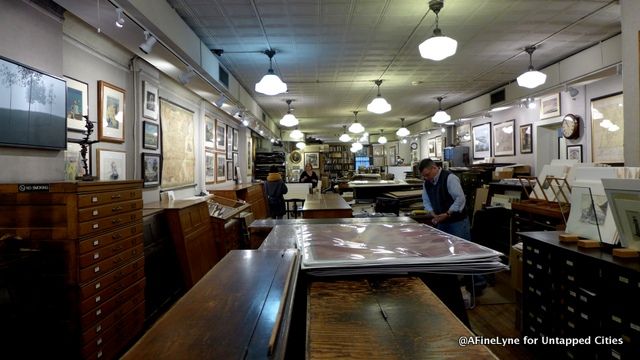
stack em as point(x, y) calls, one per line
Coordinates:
point(531, 78)
point(270, 84)
point(441, 116)
point(437, 47)
point(300, 145)
point(403, 131)
point(296, 134)
point(289, 119)
point(344, 137)
point(378, 105)
point(356, 127)
point(356, 146)
point(382, 139)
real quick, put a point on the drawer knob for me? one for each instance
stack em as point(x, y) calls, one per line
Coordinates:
point(117, 196)
point(117, 208)
point(116, 221)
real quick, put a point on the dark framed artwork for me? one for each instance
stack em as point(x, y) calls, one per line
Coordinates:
point(149, 100)
point(481, 136)
point(235, 139)
point(110, 113)
point(229, 143)
point(77, 104)
point(526, 139)
point(151, 168)
point(574, 152)
point(504, 138)
point(150, 135)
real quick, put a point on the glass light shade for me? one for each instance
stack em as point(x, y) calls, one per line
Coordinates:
point(353, 150)
point(345, 137)
point(606, 123)
point(532, 79)
point(438, 47)
point(357, 146)
point(382, 139)
point(296, 134)
point(403, 131)
point(404, 141)
point(613, 128)
point(440, 117)
point(300, 145)
point(356, 128)
point(289, 120)
point(270, 84)
point(379, 105)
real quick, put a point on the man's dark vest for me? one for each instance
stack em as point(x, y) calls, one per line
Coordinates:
point(440, 198)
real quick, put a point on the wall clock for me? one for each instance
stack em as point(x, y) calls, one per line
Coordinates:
point(414, 145)
point(295, 156)
point(571, 126)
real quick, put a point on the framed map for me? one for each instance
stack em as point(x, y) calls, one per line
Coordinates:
point(607, 129)
point(178, 157)
point(504, 138)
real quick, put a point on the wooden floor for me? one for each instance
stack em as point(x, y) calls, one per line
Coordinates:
point(494, 315)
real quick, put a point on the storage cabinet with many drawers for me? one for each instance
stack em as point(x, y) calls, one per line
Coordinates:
point(90, 273)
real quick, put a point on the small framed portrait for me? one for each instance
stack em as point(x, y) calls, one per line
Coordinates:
point(526, 139)
point(77, 104)
point(209, 132)
point(550, 106)
point(110, 113)
point(229, 143)
point(221, 144)
point(150, 135)
point(151, 165)
point(574, 152)
point(313, 159)
point(111, 165)
point(149, 100)
point(210, 167)
point(235, 139)
point(221, 167)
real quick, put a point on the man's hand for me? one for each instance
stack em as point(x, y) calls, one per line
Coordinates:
point(440, 218)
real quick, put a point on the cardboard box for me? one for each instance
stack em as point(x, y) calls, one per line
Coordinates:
point(515, 261)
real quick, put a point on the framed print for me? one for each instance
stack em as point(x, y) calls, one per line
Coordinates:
point(392, 151)
point(210, 167)
point(431, 148)
point(149, 100)
point(229, 169)
point(209, 133)
point(110, 113)
point(249, 154)
point(439, 151)
point(463, 133)
point(607, 129)
point(74, 167)
point(504, 138)
point(111, 165)
point(221, 144)
point(150, 135)
point(526, 139)
point(151, 169)
point(229, 143)
point(313, 159)
point(550, 106)
point(235, 159)
point(178, 145)
point(624, 197)
point(77, 104)
point(221, 167)
point(574, 152)
point(481, 136)
point(235, 139)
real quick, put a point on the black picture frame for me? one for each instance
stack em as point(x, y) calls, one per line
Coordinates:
point(574, 152)
point(526, 139)
point(151, 169)
point(150, 135)
point(77, 104)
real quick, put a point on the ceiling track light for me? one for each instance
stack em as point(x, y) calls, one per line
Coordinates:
point(119, 17)
point(378, 105)
point(356, 127)
point(185, 77)
point(437, 47)
point(403, 131)
point(441, 116)
point(270, 84)
point(344, 137)
point(149, 42)
point(531, 78)
point(289, 119)
point(382, 139)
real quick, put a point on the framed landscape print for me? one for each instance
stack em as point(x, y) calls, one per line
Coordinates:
point(607, 129)
point(574, 152)
point(235, 139)
point(550, 106)
point(77, 104)
point(151, 169)
point(229, 142)
point(526, 139)
point(221, 144)
point(150, 135)
point(149, 100)
point(111, 165)
point(110, 113)
point(210, 167)
point(221, 167)
point(504, 138)
point(209, 132)
point(481, 136)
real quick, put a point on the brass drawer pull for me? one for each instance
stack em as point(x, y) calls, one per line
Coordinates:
point(116, 221)
point(117, 196)
point(117, 208)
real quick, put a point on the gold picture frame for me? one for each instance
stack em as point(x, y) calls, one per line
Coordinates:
point(111, 119)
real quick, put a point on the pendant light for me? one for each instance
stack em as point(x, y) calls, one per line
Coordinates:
point(270, 84)
point(531, 78)
point(289, 119)
point(296, 134)
point(356, 146)
point(438, 46)
point(403, 131)
point(344, 137)
point(441, 116)
point(356, 127)
point(300, 145)
point(378, 105)
point(382, 139)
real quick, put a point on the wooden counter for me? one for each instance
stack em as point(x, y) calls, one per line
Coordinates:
point(252, 193)
point(327, 205)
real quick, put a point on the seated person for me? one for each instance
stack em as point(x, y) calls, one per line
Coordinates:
point(309, 176)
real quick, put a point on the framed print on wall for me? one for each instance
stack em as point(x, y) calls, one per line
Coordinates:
point(221, 167)
point(235, 139)
point(504, 138)
point(77, 104)
point(210, 167)
point(550, 106)
point(574, 152)
point(439, 148)
point(313, 159)
point(151, 168)
point(111, 164)
point(463, 133)
point(209, 132)
point(229, 169)
point(150, 135)
point(110, 112)
point(607, 129)
point(149, 100)
point(431, 148)
point(229, 143)
point(221, 144)
point(526, 139)
point(74, 168)
point(481, 136)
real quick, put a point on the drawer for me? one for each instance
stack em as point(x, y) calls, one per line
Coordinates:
point(97, 199)
point(107, 292)
point(112, 340)
point(97, 212)
point(94, 272)
point(98, 226)
point(92, 243)
point(132, 295)
point(102, 326)
point(102, 253)
point(112, 277)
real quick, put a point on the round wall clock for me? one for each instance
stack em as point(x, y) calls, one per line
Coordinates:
point(414, 145)
point(571, 126)
point(295, 156)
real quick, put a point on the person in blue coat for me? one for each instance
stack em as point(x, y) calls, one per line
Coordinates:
point(275, 190)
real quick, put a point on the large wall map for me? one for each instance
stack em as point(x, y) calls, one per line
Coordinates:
point(178, 163)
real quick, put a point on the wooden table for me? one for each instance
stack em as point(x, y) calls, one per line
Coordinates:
point(327, 205)
point(383, 318)
point(370, 190)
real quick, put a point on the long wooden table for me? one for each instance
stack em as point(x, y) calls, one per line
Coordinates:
point(327, 205)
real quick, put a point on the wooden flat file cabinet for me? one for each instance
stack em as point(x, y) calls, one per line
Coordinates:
point(251, 193)
point(91, 276)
